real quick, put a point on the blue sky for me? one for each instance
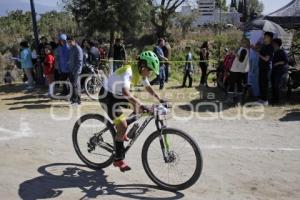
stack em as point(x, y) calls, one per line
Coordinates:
point(270, 5)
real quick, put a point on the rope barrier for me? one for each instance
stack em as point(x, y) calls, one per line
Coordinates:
point(212, 61)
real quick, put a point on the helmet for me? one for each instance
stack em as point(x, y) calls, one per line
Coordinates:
point(152, 61)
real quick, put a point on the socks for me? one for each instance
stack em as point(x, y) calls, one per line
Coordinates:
point(120, 155)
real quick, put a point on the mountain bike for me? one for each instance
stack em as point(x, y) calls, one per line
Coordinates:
point(170, 157)
point(93, 80)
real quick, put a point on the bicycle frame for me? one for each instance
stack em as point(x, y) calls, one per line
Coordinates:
point(160, 127)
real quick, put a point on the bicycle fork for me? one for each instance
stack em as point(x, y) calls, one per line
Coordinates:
point(164, 142)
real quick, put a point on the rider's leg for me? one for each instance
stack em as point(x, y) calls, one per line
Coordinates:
point(121, 130)
point(121, 126)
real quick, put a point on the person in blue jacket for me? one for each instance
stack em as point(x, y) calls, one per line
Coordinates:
point(26, 63)
point(62, 60)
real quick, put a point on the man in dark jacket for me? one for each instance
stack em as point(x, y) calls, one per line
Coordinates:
point(265, 58)
point(75, 63)
point(160, 54)
point(119, 54)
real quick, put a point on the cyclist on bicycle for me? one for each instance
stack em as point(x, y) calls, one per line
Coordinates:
point(115, 93)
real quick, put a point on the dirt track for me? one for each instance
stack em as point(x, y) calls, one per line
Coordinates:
point(242, 159)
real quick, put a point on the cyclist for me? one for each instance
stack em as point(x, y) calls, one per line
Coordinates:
point(115, 93)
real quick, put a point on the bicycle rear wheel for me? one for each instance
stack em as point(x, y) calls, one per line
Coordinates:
point(183, 166)
point(93, 140)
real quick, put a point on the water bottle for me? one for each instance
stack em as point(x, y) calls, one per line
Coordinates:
point(132, 131)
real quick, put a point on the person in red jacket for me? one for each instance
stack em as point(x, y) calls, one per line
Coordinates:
point(228, 61)
point(49, 65)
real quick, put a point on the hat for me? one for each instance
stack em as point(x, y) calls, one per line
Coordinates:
point(62, 37)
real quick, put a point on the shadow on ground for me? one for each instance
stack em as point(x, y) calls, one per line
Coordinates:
point(209, 100)
point(292, 115)
point(12, 88)
point(92, 184)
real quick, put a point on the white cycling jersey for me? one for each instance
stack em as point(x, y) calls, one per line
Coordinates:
point(121, 78)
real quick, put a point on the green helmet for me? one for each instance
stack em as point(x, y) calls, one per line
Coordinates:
point(152, 61)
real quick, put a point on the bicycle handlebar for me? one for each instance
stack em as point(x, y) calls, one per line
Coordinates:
point(155, 110)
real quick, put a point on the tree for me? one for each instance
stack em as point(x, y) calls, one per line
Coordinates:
point(233, 4)
point(161, 14)
point(52, 23)
point(113, 16)
point(16, 26)
point(221, 4)
point(186, 22)
point(255, 6)
point(240, 6)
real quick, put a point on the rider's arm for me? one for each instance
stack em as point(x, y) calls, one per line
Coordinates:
point(127, 94)
point(152, 92)
point(149, 89)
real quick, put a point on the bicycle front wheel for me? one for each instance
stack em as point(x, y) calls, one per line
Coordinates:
point(93, 140)
point(181, 167)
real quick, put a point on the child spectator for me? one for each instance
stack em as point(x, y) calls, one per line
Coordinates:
point(49, 65)
point(279, 64)
point(8, 78)
point(188, 68)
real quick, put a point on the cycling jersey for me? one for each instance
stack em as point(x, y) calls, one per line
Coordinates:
point(111, 95)
point(123, 78)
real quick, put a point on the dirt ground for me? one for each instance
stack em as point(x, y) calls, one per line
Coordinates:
point(248, 153)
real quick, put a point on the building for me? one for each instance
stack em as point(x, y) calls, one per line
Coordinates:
point(208, 14)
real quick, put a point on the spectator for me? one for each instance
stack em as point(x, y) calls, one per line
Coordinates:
point(279, 68)
point(103, 52)
point(85, 45)
point(34, 55)
point(239, 69)
point(49, 66)
point(228, 61)
point(26, 63)
point(94, 54)
point(188, 68)
point(75, 63)
point(54, 46)
point(160, 54)
point(204, 57)
point(43, 43)
point(254, 70)
point(63, 61)
point(167, 53)
point(119, 54)
point(8, 78)
point(265, 57)
point(34, 58)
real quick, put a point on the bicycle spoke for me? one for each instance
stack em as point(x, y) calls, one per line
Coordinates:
point(95, 141)
point(181, 160)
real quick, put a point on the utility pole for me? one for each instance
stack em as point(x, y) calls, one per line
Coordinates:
point(245, 11)
point(39, 72)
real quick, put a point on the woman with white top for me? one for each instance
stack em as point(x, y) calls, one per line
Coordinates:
point(240, 68)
